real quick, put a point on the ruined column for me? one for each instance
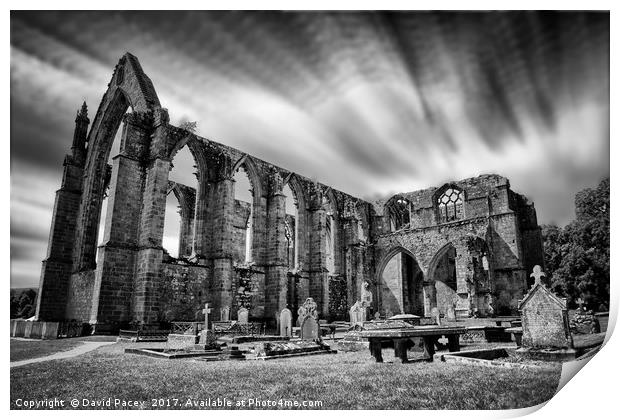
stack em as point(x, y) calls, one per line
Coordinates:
point(57, 266)
point(465, 285)
point(221, 201)
point(276, 266)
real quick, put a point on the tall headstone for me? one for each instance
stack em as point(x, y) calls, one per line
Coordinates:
point(308, 320)
point(225, 314)
point(435, 316)
point(242, 316)
point(310, 329)
point(544, 317)
point(451, 313)
point(286, 323)
point(206, 311)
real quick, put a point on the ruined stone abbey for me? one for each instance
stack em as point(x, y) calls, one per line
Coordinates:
point(465, 245)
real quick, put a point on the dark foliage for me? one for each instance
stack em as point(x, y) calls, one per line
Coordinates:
point(577, 256)
point(24, 304)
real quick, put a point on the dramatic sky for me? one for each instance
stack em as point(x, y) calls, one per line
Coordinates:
point(368, 103)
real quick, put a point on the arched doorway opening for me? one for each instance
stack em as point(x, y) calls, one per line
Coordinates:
point(401, 283)
point(443, 280)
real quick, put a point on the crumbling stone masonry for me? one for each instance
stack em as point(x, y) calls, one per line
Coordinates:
point(468, 243)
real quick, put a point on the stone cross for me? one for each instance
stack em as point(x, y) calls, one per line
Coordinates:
point(580, 302)
point(207, 311)
point(537, 273)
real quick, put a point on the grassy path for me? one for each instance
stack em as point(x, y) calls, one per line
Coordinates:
point(76, 351)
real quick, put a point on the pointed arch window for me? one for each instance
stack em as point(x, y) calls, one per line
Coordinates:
point(399, 211)
point(450, 205)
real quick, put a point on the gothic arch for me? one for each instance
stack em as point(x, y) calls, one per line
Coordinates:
point(430, 276)
point(407, 294)
point(129, 87)
point(387, 257)
point(251, 169)
point(398, 210)
point(196, 148)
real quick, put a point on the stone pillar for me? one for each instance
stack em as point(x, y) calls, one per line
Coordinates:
point(276, 267)
point(465, 286)
point(150, 250)
point(221, 201)
point(201, 225)
point(317, 249)
point(259, 252)
point(114, 275)
point(57, 266)
point(186, 231)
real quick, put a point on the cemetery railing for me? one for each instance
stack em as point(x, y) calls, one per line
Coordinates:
point(188, 328)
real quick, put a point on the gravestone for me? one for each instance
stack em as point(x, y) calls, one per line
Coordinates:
point(206, 311)
point(286, 324)
point(308, 321)
point(435, 316)
point(357, 314)
point(544, 317)
point(242, 316)
point(451, 313)
point(225, 314)
point(310, 330)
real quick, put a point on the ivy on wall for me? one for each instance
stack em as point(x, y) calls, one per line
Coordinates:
point(337, 299)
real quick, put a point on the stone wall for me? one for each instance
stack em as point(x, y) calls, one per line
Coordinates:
point(79, 299)
point(182, 292)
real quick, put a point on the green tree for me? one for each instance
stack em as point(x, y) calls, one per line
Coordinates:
point(577, 257)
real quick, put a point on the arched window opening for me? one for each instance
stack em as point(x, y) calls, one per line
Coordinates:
point(330, 229)
point(450, 205)
point(103, 215)
point(244, 215)
point(399, 212)
point(401, 290)
point(180, 206)
point(290, 227)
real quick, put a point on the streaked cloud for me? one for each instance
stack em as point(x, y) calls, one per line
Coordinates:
point(371, 103)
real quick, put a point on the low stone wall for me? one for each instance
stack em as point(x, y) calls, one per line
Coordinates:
point(181, 341)
point(34, 329)
point(47, 330)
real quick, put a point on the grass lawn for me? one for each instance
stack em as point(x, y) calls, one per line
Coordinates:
point(30, 349)
point(340, 381)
